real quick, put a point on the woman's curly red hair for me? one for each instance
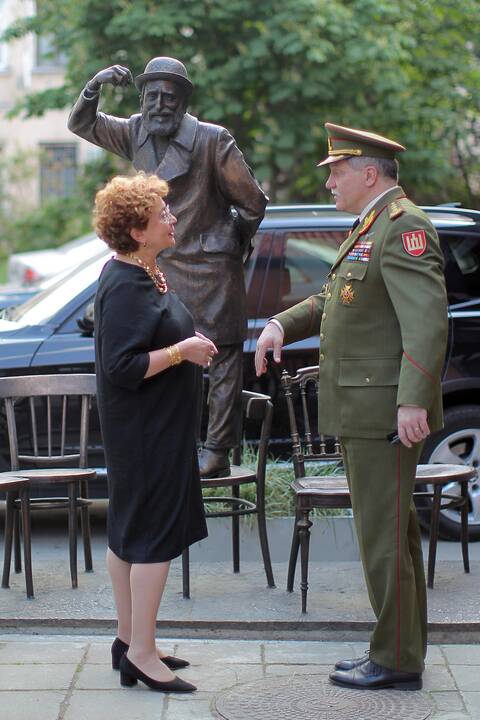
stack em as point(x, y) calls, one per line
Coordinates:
point(126, 203)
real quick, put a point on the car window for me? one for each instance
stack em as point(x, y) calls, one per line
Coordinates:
point(308, 259)
point(462, 266)
point(39, 309)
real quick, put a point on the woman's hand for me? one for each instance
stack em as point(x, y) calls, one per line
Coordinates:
point(198, 349)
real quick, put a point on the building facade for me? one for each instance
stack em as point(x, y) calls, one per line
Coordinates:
point(45, 154)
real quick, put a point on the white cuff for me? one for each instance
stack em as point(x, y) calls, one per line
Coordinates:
point(278, 324)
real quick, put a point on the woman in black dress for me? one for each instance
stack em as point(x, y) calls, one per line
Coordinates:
point(145, 351)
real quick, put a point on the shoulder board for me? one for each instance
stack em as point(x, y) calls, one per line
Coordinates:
point(395, 210)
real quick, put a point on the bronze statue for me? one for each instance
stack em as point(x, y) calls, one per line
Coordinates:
point(219, 206)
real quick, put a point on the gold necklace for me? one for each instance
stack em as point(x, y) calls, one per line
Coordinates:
point(155, 275)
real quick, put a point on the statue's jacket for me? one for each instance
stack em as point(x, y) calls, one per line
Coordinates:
point(382, 319)
point(217, 202)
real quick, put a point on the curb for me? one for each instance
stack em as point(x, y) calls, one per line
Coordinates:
point(337, 631)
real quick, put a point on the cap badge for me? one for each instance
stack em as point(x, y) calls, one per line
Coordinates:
point(347, 294)
point(415, 242)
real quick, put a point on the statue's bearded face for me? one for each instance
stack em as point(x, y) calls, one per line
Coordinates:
point(163, 107)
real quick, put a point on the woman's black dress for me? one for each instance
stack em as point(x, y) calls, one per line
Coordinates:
point(148, 426)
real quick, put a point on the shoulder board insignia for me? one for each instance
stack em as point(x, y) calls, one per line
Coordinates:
point(395, 210)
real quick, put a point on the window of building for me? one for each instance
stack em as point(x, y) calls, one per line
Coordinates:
point(48, 56)
point(58, 169)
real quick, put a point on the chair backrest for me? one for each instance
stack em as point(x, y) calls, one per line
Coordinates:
point(301, 394)
point(257, 407)
point(47, 419)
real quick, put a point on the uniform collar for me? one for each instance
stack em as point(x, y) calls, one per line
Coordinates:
point(375, 200)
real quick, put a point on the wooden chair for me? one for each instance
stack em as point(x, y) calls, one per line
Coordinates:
point(257, 408)
point(47, 424)
point(17, 488)
point(331, 491)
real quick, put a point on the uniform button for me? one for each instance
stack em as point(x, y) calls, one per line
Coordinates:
point(322, 336)
point(329, 295)
point(349, 274)
point(322, 356)
point(334, 276)
point(324, 316)
point(367, 379)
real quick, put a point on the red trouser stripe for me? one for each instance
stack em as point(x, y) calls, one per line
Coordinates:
point(398, 557)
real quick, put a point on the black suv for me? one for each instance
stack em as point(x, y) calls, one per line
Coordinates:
point(294, 249)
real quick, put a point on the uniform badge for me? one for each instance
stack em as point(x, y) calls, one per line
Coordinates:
point(368, 222)
point(361, 251)
point(415, 242)
point(347, 294)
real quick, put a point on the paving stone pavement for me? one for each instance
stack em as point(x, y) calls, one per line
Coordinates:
point(61, 677)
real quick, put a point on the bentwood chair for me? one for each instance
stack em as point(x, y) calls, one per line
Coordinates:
point(17, 488)
point(331, 490)
point(47, 423)
point(257, 409)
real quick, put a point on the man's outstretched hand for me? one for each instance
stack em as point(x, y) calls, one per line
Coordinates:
point(270, 339)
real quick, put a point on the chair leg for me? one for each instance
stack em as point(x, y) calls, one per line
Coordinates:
point(17, 550)
point(27, 540)
point(262, 533)
point(72, 531)
point(85, 524)
point(186, 573)
point(292, 563)
point(304, 526)
point(434, 522)
point(8, 542)
point(236, 534)
point(464, 526)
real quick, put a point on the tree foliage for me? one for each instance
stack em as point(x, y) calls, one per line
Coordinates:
point(274, 71)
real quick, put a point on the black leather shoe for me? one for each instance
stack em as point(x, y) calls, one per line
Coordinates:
point(350, 664)
point(370, 676)
point(130, 674)
point(213, 463)
point(119, 648)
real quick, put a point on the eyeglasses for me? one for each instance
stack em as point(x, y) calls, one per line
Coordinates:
point(166, 216)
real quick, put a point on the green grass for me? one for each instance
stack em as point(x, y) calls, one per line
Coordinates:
point(3, 270)
point(279, 498)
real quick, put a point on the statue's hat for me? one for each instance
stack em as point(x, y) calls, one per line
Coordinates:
point(165, 68)
point(345, 142)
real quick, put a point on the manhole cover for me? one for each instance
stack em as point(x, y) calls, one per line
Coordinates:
point(302, 697)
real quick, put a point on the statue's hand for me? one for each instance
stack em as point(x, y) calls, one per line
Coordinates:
point(114, 75)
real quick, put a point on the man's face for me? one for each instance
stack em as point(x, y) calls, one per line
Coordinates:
point(348, 187)
point(162, 107)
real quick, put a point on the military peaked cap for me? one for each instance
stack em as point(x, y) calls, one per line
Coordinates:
point(344, 142)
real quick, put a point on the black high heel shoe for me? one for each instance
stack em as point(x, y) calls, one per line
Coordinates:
point(119, 648)
point(130, 673)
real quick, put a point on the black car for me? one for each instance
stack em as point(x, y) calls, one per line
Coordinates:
point(294, 249)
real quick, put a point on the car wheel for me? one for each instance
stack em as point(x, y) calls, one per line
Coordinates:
point(458, 443)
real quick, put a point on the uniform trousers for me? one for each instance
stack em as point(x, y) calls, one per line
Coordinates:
point(381, 479)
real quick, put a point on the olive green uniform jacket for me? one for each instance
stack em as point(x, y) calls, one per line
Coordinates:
point(382, 318)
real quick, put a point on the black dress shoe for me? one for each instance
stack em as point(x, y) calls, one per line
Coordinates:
point(370, 676)
point(350, 664)
point(213, 463)
point(130, 674)
point(119, 648)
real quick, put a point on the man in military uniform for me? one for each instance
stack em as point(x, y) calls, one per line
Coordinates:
point(218, 205)
point(382, 318)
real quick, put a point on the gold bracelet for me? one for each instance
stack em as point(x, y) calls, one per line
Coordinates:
point(174, 355)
